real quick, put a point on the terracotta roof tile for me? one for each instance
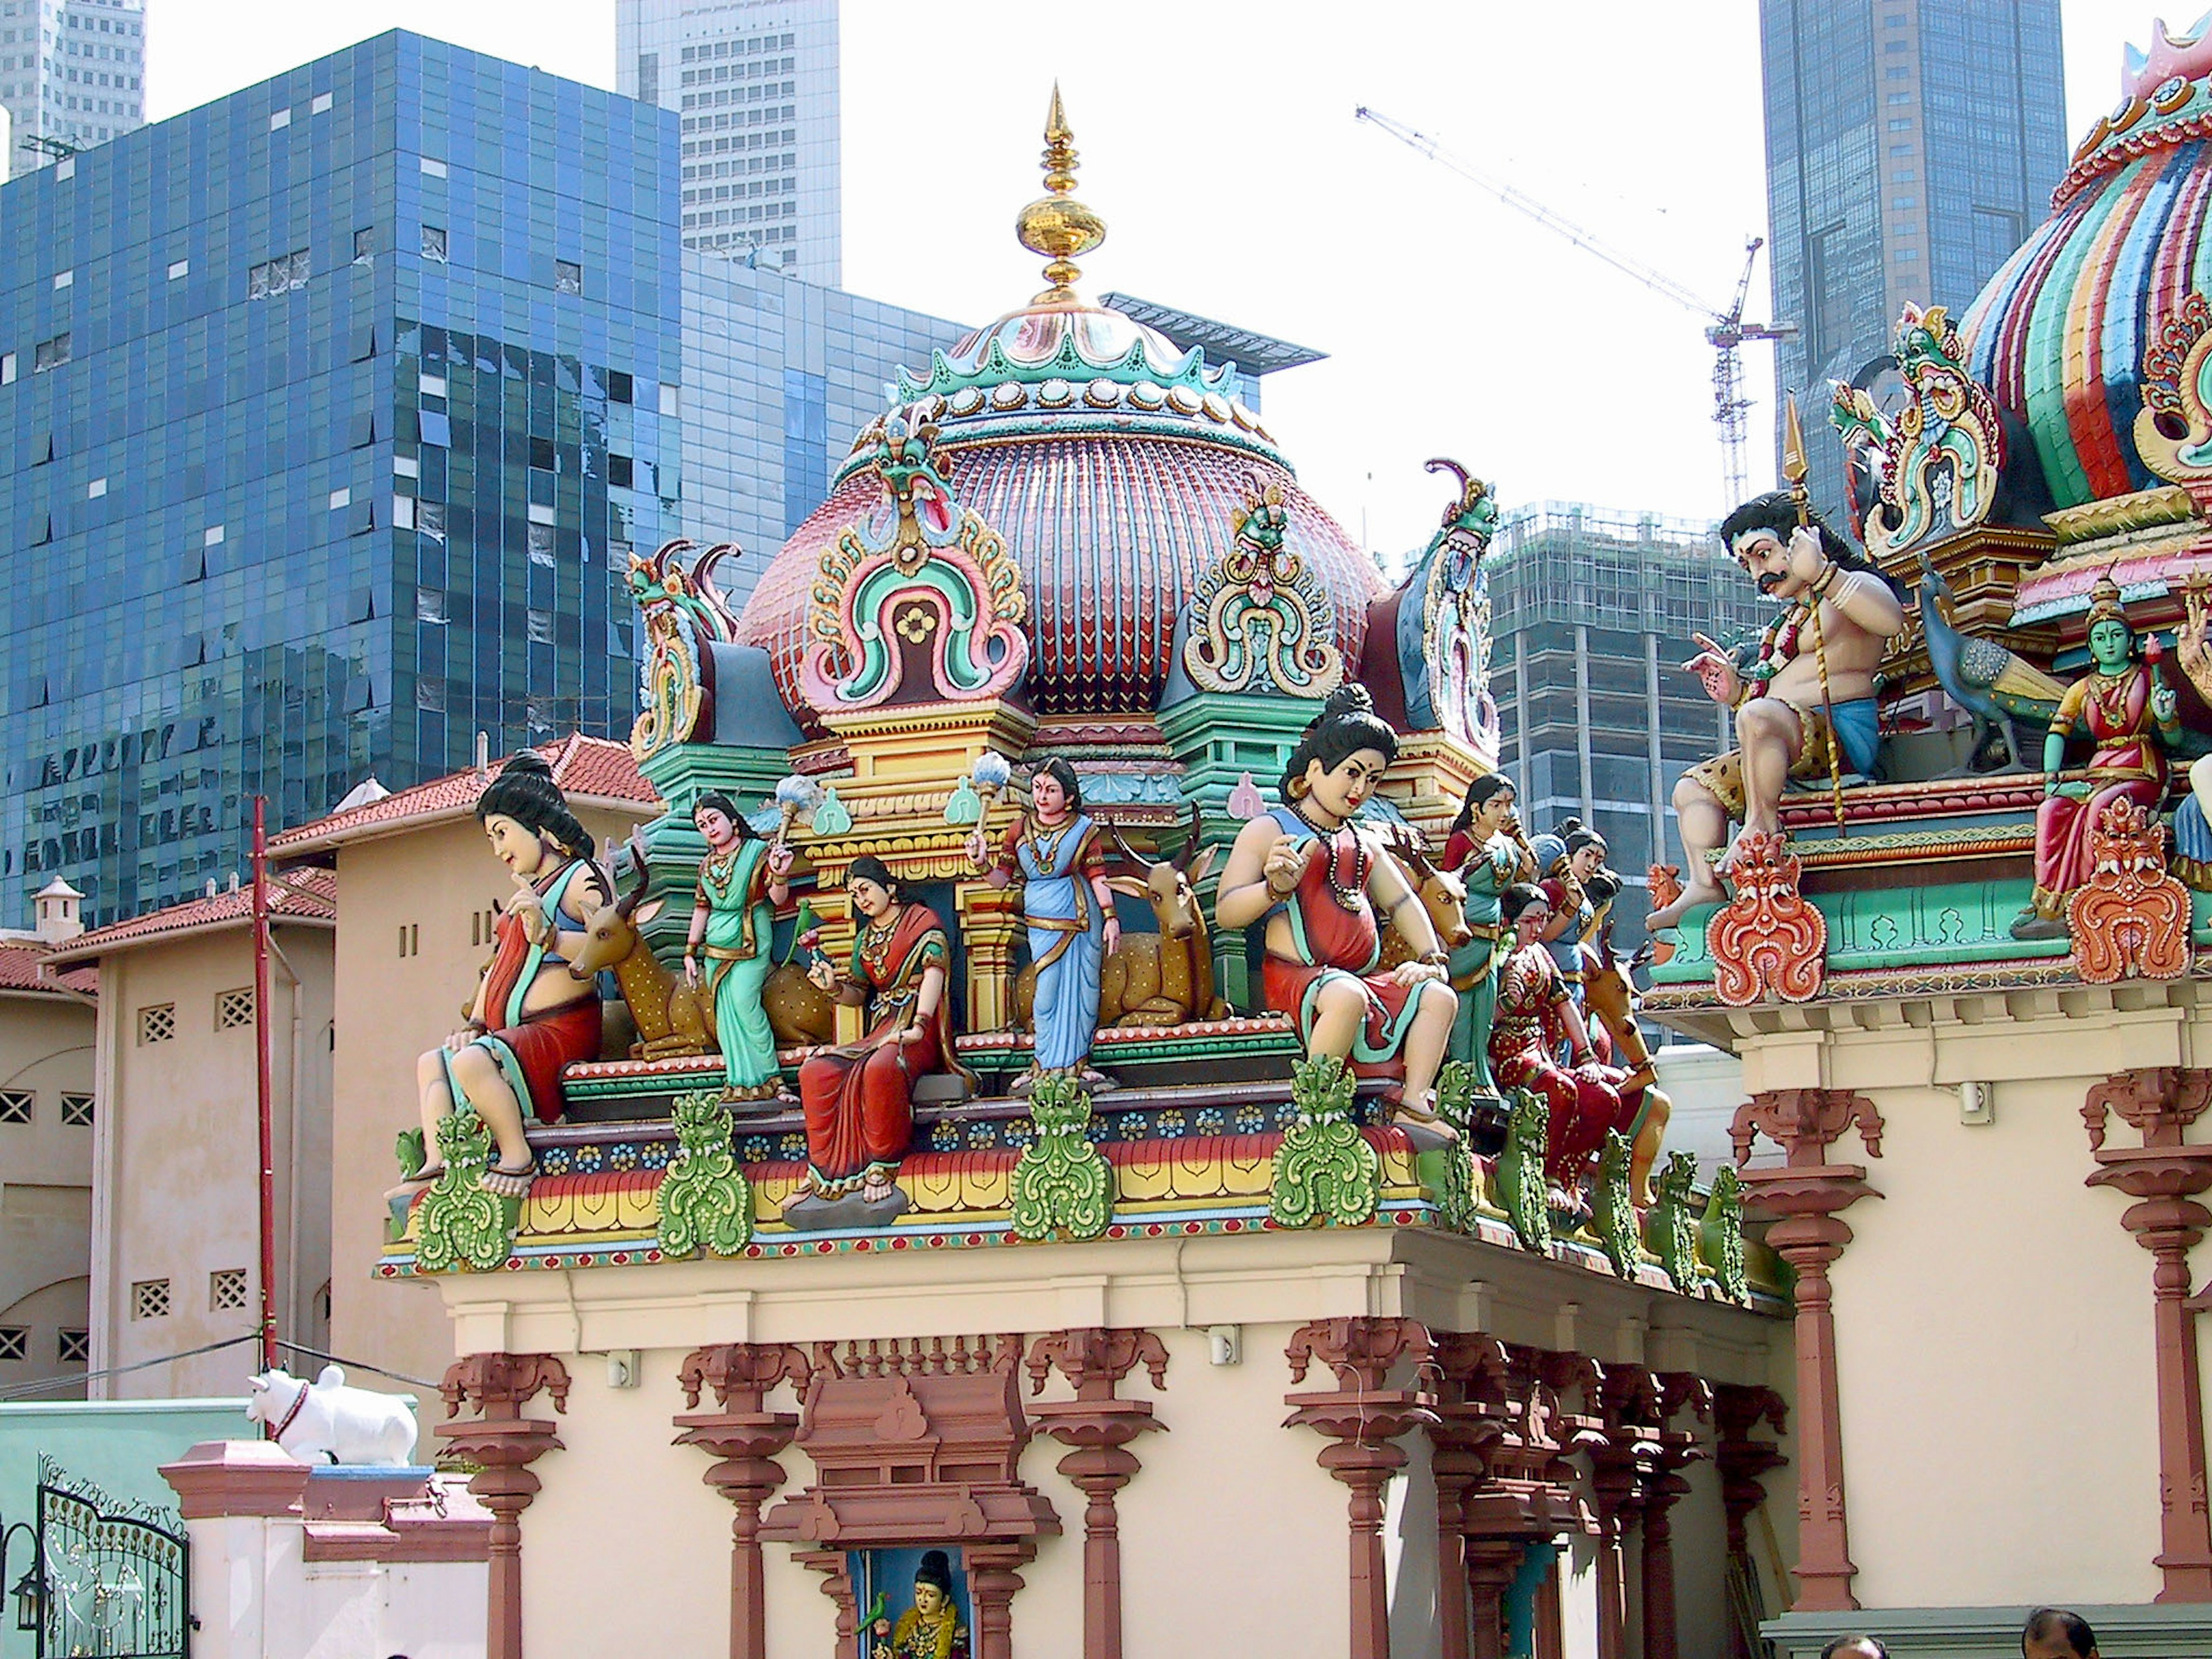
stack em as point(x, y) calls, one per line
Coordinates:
point(318, 903)
point(596, 768)
point(19, 970)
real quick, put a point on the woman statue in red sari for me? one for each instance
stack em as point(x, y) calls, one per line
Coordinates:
point(532, 1015)
point(2127, 712)
point(859, 1098)
point(1536, 1012)
point(1321, 883)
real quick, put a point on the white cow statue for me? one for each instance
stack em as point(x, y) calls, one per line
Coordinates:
point(327, 1422)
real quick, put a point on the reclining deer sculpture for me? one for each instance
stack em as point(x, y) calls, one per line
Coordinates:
point(1443, 894)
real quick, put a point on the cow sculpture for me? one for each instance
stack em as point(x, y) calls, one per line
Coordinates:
point(327, 1422)
point(1443, 894)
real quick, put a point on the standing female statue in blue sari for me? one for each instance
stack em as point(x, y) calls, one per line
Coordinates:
point(1054, 850)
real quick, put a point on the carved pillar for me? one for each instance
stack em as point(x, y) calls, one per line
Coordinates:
point(993, 1579)
point(1620, 1459)
point(1663, 1487)
point(2163, 1176)
point(1809, 1194)
point(1493, 1563)
point(1363, 1421)
point(1099, 1425)
point(746, 1439)
point(1467, 1425)
point(505, 1444)
point(990, 922)
point(837, 1569)
point(1740, 1461)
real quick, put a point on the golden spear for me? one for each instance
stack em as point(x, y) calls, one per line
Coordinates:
point(1794, 469)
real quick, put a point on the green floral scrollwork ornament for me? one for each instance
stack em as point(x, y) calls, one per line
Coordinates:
point(1720, 1235)
point(1670, 1227)
point(1448, 1173)
point(1062, 1185)
point(1516, 1181)
point(408, 1148)
point(705, 1198)
point(461, 1225)
point(1613, 1217)
point(1325, 1171)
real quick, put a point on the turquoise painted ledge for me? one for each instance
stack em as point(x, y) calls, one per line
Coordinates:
point(1957, 922)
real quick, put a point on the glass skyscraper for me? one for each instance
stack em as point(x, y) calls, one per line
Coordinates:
point(755, 84)
point(329, 414)
point(72, 72)
point(1910, 146)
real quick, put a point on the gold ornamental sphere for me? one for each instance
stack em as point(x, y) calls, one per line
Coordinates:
point(1056, 225)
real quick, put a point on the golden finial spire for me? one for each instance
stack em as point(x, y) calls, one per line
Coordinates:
point(1056, 225)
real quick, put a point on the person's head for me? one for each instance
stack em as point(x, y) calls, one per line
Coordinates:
point(2055, 1634)
point(1585, 852)
point(2112, 641)
point(933, 1584)
point(718, 819)
point(1055, 790)
point(1341, 754)
point(873, 891)
point(1488, 805)
point(1524, 908)
point(526, 819)
point(1855, 1647)
point(1757, 536)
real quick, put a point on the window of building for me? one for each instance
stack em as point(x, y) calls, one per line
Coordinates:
point(430, 698)
point(15, 1105)
point(1900, 127)
point(7, 368)
point(364, 245)
point(433, 242)
point(50, 354)
point(95, 490)
point(15, 1342)
point(63, 279)
point(74, 1347)
point(410, 939)
point(429, 606)
point(281, 120)
point(620, 471)
point(233, 1009)
point(225, 1290)
point(541, 545)
point(321, 105)
point(281, 275)
point(430, 519)
point(341, 497)
point(568, 277)
point(158, 1022)
point(76, 1110)
point(149, 1300)
point(436, 169)
point(540, 625)
point(180, 268)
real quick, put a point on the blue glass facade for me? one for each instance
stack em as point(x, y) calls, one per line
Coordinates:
point(1910, 146)
point(329, 413)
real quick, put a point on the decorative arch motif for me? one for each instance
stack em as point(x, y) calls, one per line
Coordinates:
point(2174, 429)
point(684, 613)
point(924, 580)
point(1261, 621)
point(1942, 454)
point(2131, 920)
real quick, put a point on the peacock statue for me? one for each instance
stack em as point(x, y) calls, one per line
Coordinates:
point(1992, 683)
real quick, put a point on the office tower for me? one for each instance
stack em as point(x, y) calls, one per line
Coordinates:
point(329, 414)
point(1590, 618)
point(1910, 146)
point(72, 75)
point(755, 84)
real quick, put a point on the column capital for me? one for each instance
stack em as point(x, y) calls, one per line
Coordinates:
point(500, 1384)
point(741, 1374)
point(1804, 1123)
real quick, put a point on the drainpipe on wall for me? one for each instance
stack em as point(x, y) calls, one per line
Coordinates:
point(291, 1322)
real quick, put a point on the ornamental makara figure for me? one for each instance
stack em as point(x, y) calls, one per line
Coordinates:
point(2127, 711)
point(532, 1015)
point(1803, 697)
point(1319, 882)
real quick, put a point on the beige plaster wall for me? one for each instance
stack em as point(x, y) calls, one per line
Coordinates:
point(1994, 1321)
point(432, 882)
point(179, 1157)
point(46, 1047)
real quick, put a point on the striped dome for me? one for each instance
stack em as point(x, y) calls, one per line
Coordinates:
point(2059, 333)
point(1111, 464)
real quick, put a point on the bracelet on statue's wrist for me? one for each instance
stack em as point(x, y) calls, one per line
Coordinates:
point(1438, 959)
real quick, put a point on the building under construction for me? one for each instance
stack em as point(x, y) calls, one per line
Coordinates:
point(1591, 613)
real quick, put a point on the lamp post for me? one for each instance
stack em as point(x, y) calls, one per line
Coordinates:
point(30, 1590)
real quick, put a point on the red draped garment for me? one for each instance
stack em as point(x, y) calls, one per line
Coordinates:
point(1525, 1036)
point(533, 1049)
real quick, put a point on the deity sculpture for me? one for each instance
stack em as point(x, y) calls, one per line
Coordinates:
point(931, 1628)
point(1317, 880)
point(1570, 864)
point(741, 881)
point(1056, 852)
point(2128, 711)
point(859, 1098)
point(1484, 849)
point(1804, 702)
point(532, 1015)
point(1535, 1015)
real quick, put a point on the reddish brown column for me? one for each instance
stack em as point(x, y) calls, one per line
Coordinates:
point(505, 1444)
point(2164, 1175)
point(993, 1580)
point(1741, 1461)
point(1628, 1398)
point(1663, 1487)
point(746, 1438)
point(1809, 1194)
point(836, 1567)
point(1492, 1565)
point(1099, 1425)
point(1363, 1421)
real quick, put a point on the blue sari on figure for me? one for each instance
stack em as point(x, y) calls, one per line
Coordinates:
point(1068, 934)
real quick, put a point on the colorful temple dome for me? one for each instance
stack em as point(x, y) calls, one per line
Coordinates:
point(2059, 335)
point(1111, 462)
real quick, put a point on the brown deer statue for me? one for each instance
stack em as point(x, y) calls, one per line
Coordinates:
point(1443, 894)
point(671, 1018)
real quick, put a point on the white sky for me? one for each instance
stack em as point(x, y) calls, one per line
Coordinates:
point(1218, 141)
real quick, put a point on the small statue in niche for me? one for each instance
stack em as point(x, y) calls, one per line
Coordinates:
point(1321, 883)
point(1484, 849)
point(532, 1014)
point(2130, 713)
point(859, 1098)
point(741, 881)
point(930, 1629)
point(1056, 852)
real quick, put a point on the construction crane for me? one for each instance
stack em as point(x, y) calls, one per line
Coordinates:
point(60, 148)
point(1725, 330)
